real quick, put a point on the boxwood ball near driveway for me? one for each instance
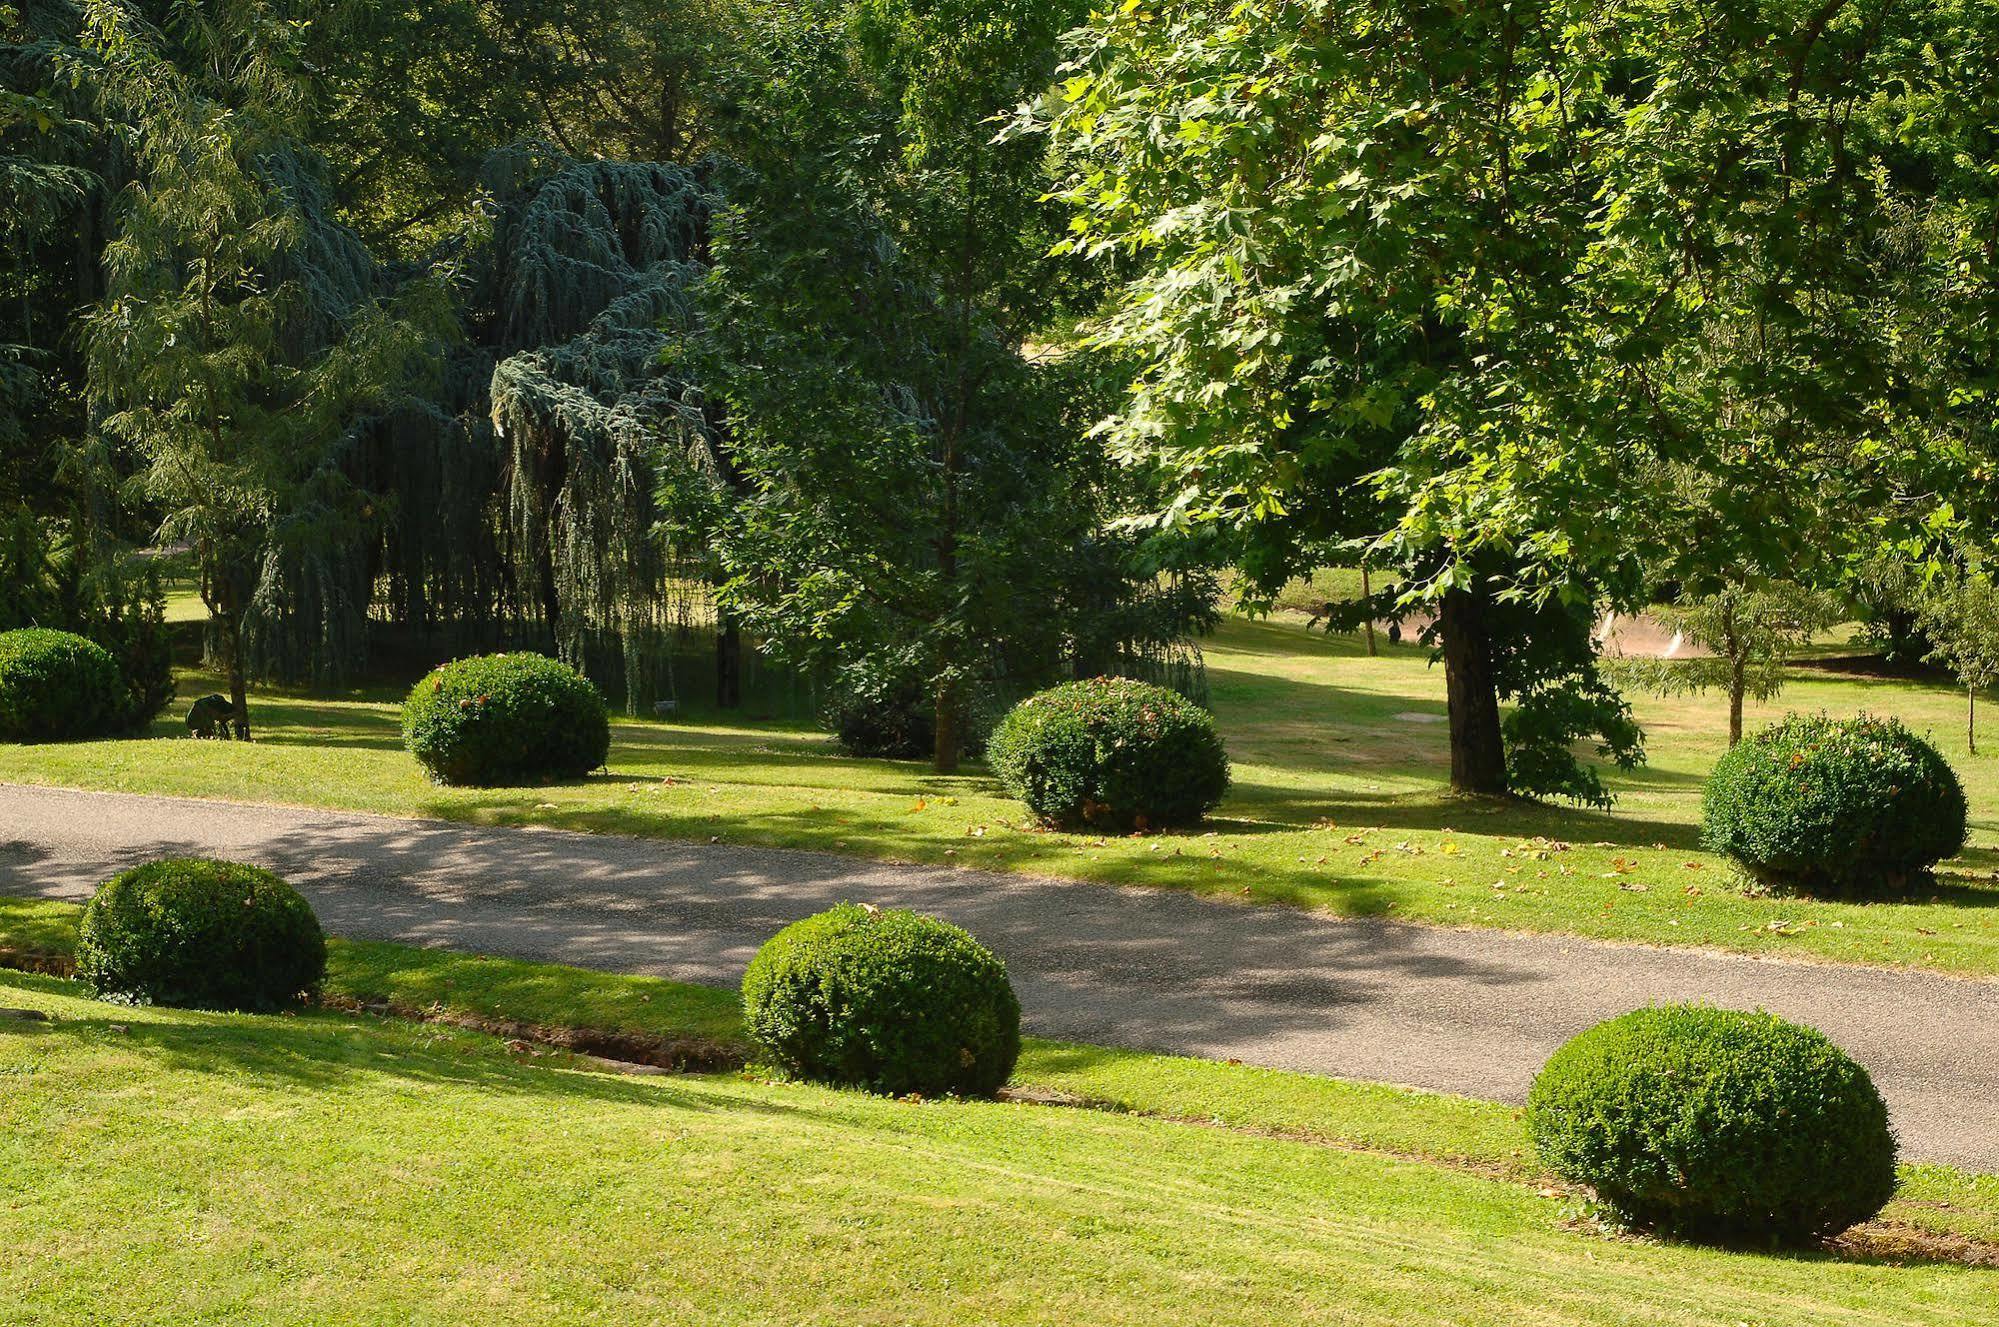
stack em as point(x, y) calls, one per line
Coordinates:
point(1111, 754)
point(1836, 806)
point(200, 934)
point(505, 720)
point(891, 1001)
point(1716, 1124)
point(55, 686)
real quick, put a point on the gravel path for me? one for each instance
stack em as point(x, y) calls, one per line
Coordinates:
point(1475, 1012)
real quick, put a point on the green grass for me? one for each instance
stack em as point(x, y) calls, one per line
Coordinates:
point(176, 1167)
point(1371, 1117)
point(1340, 803)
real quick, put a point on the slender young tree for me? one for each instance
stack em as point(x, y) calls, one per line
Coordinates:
point(1960, 615)
point(876, 282)
point(1752, 632)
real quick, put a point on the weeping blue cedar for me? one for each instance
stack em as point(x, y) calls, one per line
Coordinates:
point(594, 268)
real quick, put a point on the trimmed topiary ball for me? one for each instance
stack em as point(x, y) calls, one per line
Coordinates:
point(506, 719)
point(1111, 754)
point(890, 1001)
point(200, 935)
point(56, 687)
point(1716, 1124)
point(1835, 806)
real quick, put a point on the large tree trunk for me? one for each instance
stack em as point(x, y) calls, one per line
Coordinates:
point(728, 663)
point(551, 603)
point(948, 738)
point(239, 688)
point(1478, 752)
point(229, 635)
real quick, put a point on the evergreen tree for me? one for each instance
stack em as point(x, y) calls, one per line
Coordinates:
point(240, 342)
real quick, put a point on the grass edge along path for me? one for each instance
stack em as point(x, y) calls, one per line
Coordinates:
point(656, 1022)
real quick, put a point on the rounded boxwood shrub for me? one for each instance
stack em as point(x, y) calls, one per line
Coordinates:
point(200, 935)
point(502, 719)
point(886, 1000)
point(56, 687)
point(1111, 754)
point(1836, 806)
point(1716, 1124)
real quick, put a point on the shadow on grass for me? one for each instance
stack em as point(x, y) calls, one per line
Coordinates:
point(1291, 809)
point(331, 1051)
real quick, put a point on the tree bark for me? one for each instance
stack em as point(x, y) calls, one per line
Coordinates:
point(1971, 718)
point(728, 663)
point(948, 740)
point(1367, 593)
point(225, 612)
point(1478, 751)
point(551, 604)
point(239, 688)
point(1736, 686)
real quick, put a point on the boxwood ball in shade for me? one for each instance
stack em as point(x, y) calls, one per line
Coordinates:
point(56, 687)
point(1716, 1124)
point(1111, 754)
point(892, 1001)
point(505, 720)
point(200, 934)
point(1835, 806)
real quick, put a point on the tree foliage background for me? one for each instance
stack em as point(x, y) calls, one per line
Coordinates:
point(1548, 302)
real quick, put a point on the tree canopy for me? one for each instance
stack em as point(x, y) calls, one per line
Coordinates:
point(1545, 301)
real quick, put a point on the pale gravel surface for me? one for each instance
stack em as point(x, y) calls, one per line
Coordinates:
point(1468, 1011)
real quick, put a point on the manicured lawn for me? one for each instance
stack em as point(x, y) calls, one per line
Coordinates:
point(1339, 803)
point(178, 1168)
point(1376, 1118)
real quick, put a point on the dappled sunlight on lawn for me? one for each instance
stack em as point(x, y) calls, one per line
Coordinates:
point(1340, 801)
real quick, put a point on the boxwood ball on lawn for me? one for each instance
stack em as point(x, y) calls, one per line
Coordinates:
point(1111, 754)
point(1716, 1124)
point(1837, 806)
point(890, 1001)
point(56, 686)
point(200, 934)
point(506, 719)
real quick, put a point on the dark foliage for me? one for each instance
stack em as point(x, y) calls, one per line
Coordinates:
point(898, 725)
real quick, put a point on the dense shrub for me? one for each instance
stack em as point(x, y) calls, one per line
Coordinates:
point(506, 719)
point(1111, 754)
point(200, 935)
point(1716, 1124)
point(1828, 805)
point(898, 725)
point(890, 1001)
point(56, 687)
